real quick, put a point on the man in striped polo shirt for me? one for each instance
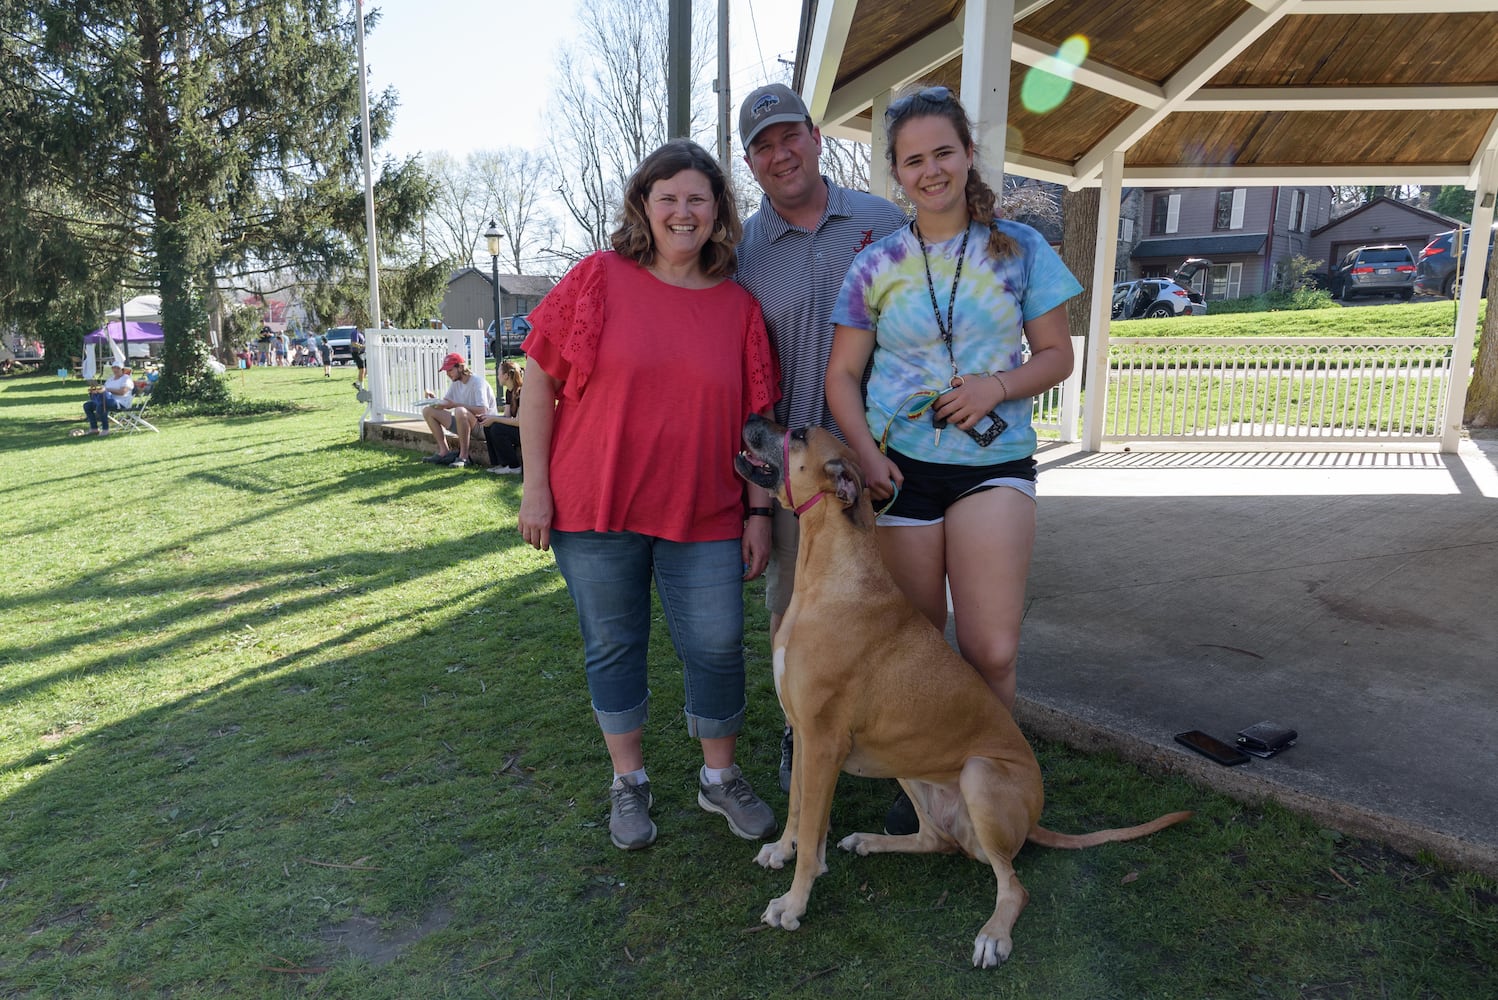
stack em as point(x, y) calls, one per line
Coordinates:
point(795, 253)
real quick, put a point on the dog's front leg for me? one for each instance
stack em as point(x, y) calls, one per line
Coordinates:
point(814, 772)
point(777, 853)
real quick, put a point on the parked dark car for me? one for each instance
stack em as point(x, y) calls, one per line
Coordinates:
point(1437, 272)
point(512, 332)
point(339, 338)
point(1375, 270)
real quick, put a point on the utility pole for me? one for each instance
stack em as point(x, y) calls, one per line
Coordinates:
point(679, 70)
point(724, 98)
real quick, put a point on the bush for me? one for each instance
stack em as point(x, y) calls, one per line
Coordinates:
point(234, 406)
point(1301, 298)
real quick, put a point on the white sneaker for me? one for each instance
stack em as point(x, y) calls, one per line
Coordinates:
point(504, 470)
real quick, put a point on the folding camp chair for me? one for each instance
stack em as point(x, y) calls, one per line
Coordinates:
point(134, 419)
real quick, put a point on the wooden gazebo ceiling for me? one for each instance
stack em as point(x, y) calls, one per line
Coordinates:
point(1193, 91)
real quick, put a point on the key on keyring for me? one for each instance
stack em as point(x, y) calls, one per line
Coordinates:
point(938, 423)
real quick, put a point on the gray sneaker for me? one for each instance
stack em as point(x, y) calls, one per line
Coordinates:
point(736, 802)
point(630, 827)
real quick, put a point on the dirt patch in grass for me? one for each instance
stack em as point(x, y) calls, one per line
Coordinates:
point(362, 937)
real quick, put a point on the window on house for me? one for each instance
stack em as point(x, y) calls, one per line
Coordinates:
point(1297, 211)
point(1126, 230)
point(1227, 281)
point(1229, 213)
point(1165, 213)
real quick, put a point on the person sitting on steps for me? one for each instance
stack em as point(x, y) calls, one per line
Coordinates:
point(468, 398)
point(502, 430)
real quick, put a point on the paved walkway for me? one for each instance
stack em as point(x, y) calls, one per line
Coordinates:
point(1350, 597)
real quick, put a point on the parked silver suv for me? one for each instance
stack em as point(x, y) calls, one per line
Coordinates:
point(1380, 270)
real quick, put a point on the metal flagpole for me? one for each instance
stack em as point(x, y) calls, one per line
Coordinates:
point(369, 205)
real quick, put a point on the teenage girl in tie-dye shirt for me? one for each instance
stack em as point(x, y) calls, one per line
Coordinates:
point(941, 306)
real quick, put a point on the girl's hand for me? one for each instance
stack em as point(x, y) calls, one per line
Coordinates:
point(881, 475)
point(964, 405)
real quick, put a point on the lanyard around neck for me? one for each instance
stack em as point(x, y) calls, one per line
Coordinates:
point(945, 329)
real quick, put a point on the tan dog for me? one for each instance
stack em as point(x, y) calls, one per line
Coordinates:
point(872, 688)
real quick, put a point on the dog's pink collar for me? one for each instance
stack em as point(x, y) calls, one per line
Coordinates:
point(785, 462)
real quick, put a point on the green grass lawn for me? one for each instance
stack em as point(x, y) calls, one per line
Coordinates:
point(286, 715)
point(1393, 319)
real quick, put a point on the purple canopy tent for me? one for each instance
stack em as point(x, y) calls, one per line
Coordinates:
point(136, 332)
point(133, 331)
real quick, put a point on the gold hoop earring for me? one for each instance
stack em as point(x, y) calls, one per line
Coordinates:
point(720, 234)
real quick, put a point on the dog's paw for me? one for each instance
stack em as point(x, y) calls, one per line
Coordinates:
point(776, 855)
point(854, 842)
point(989, 952)
point(783, 913)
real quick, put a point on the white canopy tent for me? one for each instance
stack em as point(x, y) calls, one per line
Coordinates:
point(141, 309)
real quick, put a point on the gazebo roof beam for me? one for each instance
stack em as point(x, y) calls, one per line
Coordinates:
point(1198, 70)
point(1341, 99)
point(1206, 176)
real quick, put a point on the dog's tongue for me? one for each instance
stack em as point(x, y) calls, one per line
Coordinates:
point(754, 460)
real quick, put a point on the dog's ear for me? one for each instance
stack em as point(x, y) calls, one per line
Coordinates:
point(847, 480)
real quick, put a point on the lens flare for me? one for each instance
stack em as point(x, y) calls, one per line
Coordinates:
point(1047, 83)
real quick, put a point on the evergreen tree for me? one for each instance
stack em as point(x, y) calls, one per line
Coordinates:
point(1453, 200)
point(200, 141)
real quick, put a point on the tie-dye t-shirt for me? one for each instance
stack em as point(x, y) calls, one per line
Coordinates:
point(886, 292)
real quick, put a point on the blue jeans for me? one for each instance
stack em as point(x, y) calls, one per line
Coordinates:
point(97, 406)
point(702, 592)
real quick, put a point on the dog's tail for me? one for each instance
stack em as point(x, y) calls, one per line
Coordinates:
point(1073, 841)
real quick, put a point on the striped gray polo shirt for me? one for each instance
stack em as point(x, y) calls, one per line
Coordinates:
point(796, 275)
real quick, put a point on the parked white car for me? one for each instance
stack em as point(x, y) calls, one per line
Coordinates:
point(1153, 298)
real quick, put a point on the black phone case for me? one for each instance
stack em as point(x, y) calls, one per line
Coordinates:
point(991, 435)
point(1212, 748)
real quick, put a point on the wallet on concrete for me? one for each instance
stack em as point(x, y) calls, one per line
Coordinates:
point(1266, 739)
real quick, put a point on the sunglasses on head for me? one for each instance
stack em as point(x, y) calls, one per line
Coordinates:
point(931, 95)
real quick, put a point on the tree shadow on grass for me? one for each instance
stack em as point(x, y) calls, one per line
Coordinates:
point(297, 773)
point(222, 604)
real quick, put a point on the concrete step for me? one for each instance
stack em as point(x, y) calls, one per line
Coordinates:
point(413, 434)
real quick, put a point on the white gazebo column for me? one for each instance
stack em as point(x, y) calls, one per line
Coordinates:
point(1103, 268)
point(880, 181)
point(987, 45)
point(1466, 314)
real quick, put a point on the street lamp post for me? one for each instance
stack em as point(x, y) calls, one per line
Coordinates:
point(493, 235)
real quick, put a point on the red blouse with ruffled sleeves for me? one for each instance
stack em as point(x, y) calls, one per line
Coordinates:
point(656, 383)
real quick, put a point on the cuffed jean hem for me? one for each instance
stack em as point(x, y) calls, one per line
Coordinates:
point(627, 721)
point(713, 729)
point(609, 575)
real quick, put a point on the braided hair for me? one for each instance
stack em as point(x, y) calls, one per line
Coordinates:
point(939, 102)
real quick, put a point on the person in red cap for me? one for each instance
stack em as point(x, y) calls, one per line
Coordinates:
point(468, 398)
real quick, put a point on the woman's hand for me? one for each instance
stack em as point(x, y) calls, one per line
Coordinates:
point(964, 405)
point(536, 509)
point(881, 475)
point(756, 545)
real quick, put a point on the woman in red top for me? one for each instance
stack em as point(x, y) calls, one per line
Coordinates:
point(645, 362)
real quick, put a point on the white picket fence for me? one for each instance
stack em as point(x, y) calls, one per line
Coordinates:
point(1277, 393)
point(1200, 393)
point(406, 365)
